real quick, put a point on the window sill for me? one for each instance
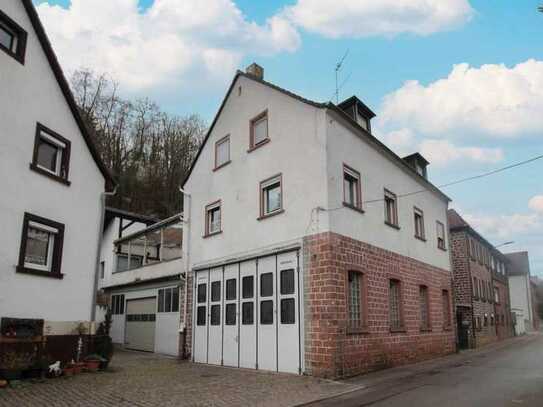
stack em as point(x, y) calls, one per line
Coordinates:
point(392, 225)
point(54, 177)
point(211, 234)
point(269, 215)
point(222, 165)
point(262, 143)
point(42, 273)
point(354, 208)
point(401, 330)
point(421, 238)
point(358, 331)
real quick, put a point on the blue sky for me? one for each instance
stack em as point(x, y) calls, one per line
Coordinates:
point(468, 140)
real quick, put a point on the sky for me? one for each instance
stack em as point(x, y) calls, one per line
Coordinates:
point(461, 81)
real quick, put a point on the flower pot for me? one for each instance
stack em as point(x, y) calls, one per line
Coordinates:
point(68, 371)
point(92, 365)
point(78, 367)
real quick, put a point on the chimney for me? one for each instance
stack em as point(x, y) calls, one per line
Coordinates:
point(255, 70)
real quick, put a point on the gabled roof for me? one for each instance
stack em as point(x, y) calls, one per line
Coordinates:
point(64, 87)
point(326, 105)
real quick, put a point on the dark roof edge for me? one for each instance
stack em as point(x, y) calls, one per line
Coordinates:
point(480, 237)
point(131, 215)
point(64, 86)
point(371, 138)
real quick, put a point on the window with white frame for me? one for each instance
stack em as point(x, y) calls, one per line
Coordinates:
point(41, 246)
point(213, 218)
point(259, 130)
point(168, 299)
point(271, 200)
point(391, 208)
point(51, 154)
point(418, 216)
point(117, 304)
point(125, 264)
point(351, 188)
point(440, 235)
point(222, 152)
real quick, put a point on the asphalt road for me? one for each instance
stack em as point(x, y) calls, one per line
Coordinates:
point(510, 374)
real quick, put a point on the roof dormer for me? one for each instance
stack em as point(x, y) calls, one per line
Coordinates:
point(418, 163)
point(358, 111)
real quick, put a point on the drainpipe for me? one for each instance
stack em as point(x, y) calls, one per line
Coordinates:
point(186, 243)
point(103, 197)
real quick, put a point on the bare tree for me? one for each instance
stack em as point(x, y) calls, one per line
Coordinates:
point(147, 150)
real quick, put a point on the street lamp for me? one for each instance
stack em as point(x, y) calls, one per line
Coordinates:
point(504, 244)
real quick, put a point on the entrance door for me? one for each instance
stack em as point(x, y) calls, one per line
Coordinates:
point(140, 324)
point(214, 352)
point(288, 318)
point(463, 325)
point(248, 320)
point(231, 315)
point(267, 313)
point(200, 316)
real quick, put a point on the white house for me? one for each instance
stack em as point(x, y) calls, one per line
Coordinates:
point(314, 248)
point(52, 181)
point(520, 292)
point(142, 274)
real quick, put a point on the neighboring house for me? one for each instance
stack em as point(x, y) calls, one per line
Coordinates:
point(483, 310)
point(142, 280)
point(310, 251)
point(520, 292)
point(52, 181)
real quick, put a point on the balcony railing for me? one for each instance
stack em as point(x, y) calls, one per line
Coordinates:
point(154, 244)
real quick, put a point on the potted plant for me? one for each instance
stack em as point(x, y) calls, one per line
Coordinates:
point(69, 370)
point(12, 364)
point(103, 346)
point(93, 362)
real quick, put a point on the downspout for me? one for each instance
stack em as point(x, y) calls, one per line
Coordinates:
point(186, 243)
point(103, 197)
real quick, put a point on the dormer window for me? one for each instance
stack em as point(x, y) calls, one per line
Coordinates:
point(12, 38)
point(51, 154)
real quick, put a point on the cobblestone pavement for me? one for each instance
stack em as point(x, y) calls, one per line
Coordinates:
point(139, 379)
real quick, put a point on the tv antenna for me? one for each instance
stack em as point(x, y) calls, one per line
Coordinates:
point(337, 69)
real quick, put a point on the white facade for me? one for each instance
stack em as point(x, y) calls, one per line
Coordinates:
point(308, 145)
point(31, 93)
point(521, 302)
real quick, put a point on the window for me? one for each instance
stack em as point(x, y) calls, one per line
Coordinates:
point(288, 311)
point(202, 291)
point(266, 285)
point(391, 209)
point(472, 248)
point(259, 131)
point(215, 291)
point(201, 316)
point(395, 306)
point(491, 319)
point(168, 299)
point(102, 269)
point(222, 152)
point(231, 289)
point(287, 282)
point(215, 318)
point(117, 304)
point(475, 288)
point(266, 312)
point(419, 223)
point(51, 155)
point(247, 313)
point(271, 199)
point(12, 38)
point(478, 323)
point(355, 304)
point(213, 219)
point(352, 194)
point(446, 308)
point(136, 261)
point(424, 308)
point(230, 318)
point(440, 235)
point(41, 246)
point(247, 286)
point(485, 320)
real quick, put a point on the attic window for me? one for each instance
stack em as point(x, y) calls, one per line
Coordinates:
point(51, 154)
point(259, 131)
point(12, 38)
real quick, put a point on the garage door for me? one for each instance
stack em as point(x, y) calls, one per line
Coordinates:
point(140, 324)
point(247, 314)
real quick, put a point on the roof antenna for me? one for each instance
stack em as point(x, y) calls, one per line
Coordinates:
point(339, 65)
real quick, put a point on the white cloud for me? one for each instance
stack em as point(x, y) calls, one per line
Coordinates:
point(442, 152)
point(364, 18)
point(164, 45)
point(507, 227)
point(536, 203)
point(493, 101)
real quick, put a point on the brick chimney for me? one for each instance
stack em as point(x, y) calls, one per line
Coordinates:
point(256, 70)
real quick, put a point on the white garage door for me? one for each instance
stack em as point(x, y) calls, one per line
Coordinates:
point(247, 314)
point(140, 324)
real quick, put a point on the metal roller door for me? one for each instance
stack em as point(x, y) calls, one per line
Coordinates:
point(140, 324)
point(247, 314)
